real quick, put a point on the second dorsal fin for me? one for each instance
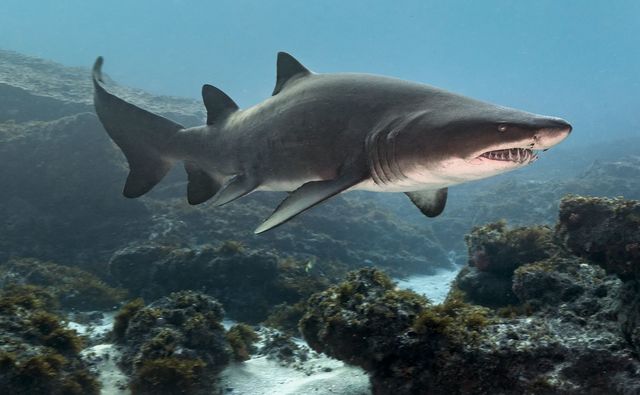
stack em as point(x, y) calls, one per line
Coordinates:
point(287, 68)
point(217, 103)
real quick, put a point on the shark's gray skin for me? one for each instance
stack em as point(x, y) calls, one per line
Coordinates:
point(323, 134)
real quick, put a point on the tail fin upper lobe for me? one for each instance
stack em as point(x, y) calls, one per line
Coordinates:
point(143, 137)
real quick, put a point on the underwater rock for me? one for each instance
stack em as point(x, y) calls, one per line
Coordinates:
point(629, 313)
point(495, 252)
point(72, 287)
point(281, 347)
point(495, 249)
point(410, 347)
point(248, 284)
point(358, 321)
point(570, 328)
point(350, 228)
point(605, 177)
point(605, 231)
point(242, 339)
point(176, 344)
point(38, 354)
point(485, 288)
point(33, 89)
point(58, 180)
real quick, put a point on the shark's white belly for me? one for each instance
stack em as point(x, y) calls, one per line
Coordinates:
point(370, 185)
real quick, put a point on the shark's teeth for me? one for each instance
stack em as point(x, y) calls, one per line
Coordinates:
point(518, 155)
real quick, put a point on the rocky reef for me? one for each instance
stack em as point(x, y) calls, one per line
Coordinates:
point(38, 353)
point(537, 309)
point(605, 231)
point(177, 344)
point(495, 252)
point(568, 324)
point(250, 284)
point(73, 288)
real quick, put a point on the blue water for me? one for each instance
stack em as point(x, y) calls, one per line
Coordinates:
point(579, 60)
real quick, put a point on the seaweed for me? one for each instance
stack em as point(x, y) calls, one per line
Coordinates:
point(169, 375)
point(121, 321)
point(175, 344)
point(44, 357)
point(241, 338)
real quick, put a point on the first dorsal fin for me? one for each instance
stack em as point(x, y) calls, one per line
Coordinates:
point(288, 67)
point(217, 102)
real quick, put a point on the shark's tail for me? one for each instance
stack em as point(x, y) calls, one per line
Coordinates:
point(143, 137)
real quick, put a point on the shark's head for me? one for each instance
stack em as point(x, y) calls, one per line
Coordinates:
point(467, 140)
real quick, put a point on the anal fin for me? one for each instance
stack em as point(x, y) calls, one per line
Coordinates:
point(201, 186)
point(431, 202)
point(309, 195)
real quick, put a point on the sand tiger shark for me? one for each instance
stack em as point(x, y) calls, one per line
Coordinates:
point(322, 134)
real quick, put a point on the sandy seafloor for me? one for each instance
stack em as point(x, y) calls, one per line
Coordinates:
point(319, 375)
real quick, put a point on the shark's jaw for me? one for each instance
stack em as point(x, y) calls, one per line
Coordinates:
point(487, 162)
point(519, 156)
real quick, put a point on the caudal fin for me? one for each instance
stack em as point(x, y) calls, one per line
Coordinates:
point(143, 137)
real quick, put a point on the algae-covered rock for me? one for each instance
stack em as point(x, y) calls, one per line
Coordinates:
point(175, 344)
point(248, 283)
point(38, 354)
point(241, 338)
point(495, 251)
point(485, 288)
point(410, 347)
point(282, 348)
point(605, 231)
point(72, 287)
point(567, 327)
point(356, 321)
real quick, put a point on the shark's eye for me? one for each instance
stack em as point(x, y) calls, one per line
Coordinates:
point(502, 128)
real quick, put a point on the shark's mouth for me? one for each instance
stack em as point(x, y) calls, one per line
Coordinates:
point(517, 155)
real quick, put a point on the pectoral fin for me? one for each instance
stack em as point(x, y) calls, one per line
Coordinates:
point(307, 196)
point(431, 202)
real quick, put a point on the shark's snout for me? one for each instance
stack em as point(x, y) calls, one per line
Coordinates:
point(551, 133)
